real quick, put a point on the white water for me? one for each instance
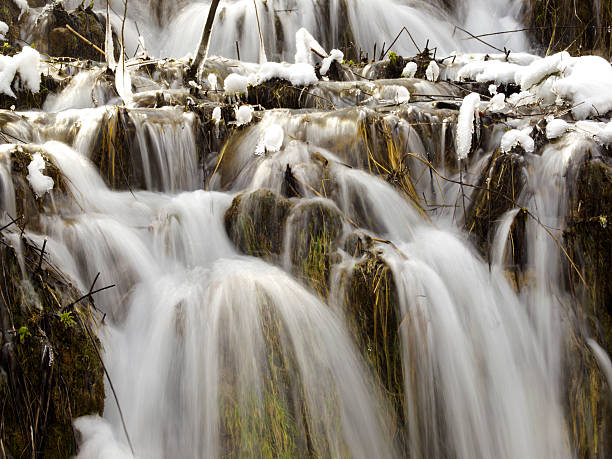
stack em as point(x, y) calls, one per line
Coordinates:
point(378, 21)
point(198, 336)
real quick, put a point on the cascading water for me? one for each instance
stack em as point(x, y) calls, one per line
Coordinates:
point(174, 30)
point(310, 284)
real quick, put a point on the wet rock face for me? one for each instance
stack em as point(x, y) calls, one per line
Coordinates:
point(372, 307)
point(49, 369)
point(265, 225)
point(9, 14)
point(499, 188)
point(589, 236)
point(255, 223)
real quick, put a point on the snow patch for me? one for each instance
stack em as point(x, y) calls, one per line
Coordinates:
point(8, 68)
point(334, 55)
point(27, 62)
point(305, 43)
point(410, 70)
point(244, 115)
point(586, 85)
point(271, 140)
point(216, 115)
point(465, 125)
point(433, 71)
point(515, 137)
point(297, 74)
point(39, 182)
point(3, 30)
point(497, 103)
point(235, 84)
point(605, 135)
point(556, 128)
point(213, 81)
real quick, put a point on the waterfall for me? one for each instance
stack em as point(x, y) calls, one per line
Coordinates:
point(355, 289)
point(174, 29)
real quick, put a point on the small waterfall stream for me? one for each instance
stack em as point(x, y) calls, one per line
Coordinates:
point(311, 301)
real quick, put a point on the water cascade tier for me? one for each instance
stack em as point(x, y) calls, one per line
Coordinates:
point(401, 258)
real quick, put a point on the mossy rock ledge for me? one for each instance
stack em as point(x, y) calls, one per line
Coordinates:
point(589, 239)
point(258, 223)
point(50, 372)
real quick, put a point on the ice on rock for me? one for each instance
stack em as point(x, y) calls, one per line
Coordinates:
point(216, 115)
point(3, 30)
point(556, 128)
point(433, 71)
point(515, 137)
point(271, 141)
point(39, 182)
point(244, 115)
point(334, 55)
point(235, 84)
point(305, 44)
point(465, 125)
point(410, 70)
point(492, 89)
point(27, 62)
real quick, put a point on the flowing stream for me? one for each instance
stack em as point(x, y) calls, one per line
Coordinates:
point(215, 353)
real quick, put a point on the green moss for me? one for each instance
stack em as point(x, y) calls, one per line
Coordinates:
point(500, 184)
point(589, 237)
point(49, 374)
point(255, 223)
point(372, 309)
point(315, 230)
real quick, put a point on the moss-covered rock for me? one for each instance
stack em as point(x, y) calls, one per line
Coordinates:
point(277, 93)
point(587, 404)
point(373, 314)
point(499, 187)
point(10, 14)
point(50, 372)
point(113, 152)
point(255, 222)
point(59, 41)
point(589, 237)
point(314, 229)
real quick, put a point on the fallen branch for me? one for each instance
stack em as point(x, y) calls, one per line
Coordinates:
point(97, 48)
